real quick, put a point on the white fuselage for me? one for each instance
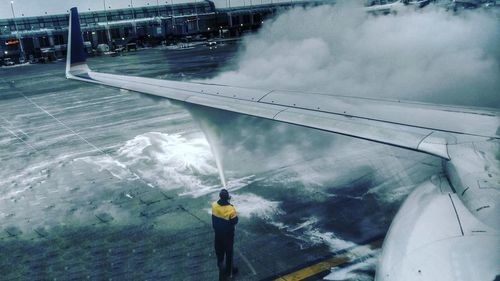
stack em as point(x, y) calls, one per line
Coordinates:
point(448, 228)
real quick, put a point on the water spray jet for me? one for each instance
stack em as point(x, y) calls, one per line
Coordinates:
point(210, 131)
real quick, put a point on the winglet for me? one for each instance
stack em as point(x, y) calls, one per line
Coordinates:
point(76, 58)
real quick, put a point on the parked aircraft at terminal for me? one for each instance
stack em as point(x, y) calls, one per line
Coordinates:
point(386, 7)
point(447, 229)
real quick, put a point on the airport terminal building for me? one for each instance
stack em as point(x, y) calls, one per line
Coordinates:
point(46, 36)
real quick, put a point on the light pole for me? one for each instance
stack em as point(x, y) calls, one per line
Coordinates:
point(107, 23)
point(133, 17)
point(196, 12)
point(173, 19)
point(17, 30)
point(105, 12)
point(158, 7)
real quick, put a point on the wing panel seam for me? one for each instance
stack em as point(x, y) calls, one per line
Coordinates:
point(456, 213)
point(275, 115)
point(264, 96)
point(422, 140)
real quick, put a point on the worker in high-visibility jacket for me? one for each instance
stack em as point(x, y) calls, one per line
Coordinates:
point(224, 218)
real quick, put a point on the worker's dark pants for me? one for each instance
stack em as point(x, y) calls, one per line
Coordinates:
point(224, 248)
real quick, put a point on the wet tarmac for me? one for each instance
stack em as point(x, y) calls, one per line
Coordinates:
point(102, 184)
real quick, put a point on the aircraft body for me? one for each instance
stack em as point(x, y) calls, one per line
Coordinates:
point(395, 6)
point(447, 229)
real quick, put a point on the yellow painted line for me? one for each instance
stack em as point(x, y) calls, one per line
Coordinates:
point(323, 265)
point(314, 269)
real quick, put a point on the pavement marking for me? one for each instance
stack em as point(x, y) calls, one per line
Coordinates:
point(326, 265)
point(315, 268)
point(20, 93)
point(247, 262)
point(19, 138)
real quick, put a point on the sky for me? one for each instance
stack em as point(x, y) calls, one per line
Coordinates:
point(38, 7)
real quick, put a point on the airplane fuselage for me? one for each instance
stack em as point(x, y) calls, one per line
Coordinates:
point(448, 228)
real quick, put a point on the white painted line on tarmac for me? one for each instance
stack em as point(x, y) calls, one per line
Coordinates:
point(247, 262)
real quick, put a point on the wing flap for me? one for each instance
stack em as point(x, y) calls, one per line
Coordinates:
point(363, 129)
point(447, 119)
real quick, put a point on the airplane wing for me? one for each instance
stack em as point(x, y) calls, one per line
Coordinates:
point(415, 126)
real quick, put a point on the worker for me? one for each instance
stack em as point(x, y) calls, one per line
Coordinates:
point(224, 219)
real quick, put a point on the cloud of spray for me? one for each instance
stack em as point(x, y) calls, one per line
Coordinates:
point(427, 55)
point(166, 161)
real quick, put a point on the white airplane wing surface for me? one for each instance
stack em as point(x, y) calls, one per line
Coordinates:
point(414, 126)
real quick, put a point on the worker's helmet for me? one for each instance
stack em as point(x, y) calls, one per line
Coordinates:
point(224, 194)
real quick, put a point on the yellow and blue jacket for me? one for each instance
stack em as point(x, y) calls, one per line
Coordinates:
point(224, 217)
